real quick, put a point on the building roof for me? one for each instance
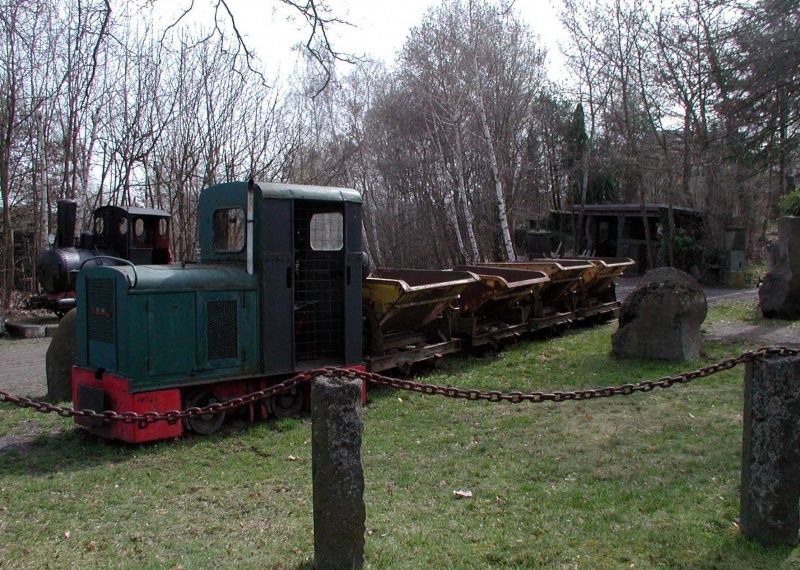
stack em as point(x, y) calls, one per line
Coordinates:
point(651, 209)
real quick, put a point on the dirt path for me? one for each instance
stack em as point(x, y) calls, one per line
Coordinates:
point(762, 335)
point(626, 286)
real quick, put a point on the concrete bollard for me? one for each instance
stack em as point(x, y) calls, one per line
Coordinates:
point(769, 511)
point(338, 476)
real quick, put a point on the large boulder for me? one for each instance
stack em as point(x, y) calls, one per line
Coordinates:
point(59, 360)
point(661, 318)
point(779, 295)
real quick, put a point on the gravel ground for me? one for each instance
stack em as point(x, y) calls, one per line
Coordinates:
point(22, 366)
point(627, 285)
point(760, 335)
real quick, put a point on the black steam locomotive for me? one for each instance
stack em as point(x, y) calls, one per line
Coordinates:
point(118, 236)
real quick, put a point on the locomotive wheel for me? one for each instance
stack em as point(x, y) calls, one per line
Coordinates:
point(287, 404)
point(204, 424)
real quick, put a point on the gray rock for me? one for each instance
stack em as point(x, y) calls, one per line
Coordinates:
point(770, 489)
point(36, 327)
point(779, 295)
point(59, 360)
point(337, 472)
point(661, 320)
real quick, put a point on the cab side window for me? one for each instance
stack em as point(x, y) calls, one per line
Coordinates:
point(229, 225)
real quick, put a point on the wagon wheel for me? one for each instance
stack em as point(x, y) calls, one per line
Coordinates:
point(287, 403)
point(204, 424)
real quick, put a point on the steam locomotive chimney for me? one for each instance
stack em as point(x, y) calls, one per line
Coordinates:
point(66, 211)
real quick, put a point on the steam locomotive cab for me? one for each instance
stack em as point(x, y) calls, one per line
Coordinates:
point(138, 235)
point(278, 291)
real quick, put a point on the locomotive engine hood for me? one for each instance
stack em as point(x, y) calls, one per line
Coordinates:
point(149, 321)
point(176, 276)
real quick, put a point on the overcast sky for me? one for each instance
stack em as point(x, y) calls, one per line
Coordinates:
point(379, 27)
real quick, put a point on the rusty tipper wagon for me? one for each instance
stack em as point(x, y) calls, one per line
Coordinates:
point(404, 310)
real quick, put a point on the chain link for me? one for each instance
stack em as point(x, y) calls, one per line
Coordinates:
point(580, 394)
point(173, 416)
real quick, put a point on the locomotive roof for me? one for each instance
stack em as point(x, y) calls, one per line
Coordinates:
point(278, 190)
point(136, 211)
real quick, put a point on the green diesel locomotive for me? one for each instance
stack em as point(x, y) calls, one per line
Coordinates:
point(277, 291)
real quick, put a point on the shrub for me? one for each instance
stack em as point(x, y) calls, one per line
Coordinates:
point(789, 205)
point(688, 252)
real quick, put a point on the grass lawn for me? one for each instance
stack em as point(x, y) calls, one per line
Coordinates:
point(649, 480)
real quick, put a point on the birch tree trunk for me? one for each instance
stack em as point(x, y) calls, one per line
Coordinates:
point(452, 214)
point(450, 196)
point(505, 232)
point(86, 166)
point(39, 191)
point(8, 117)
point(5, 189)
point(374, 239)
point(469, 219)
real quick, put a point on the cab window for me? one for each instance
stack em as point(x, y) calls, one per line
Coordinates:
point(229, 225)
point(327, 231)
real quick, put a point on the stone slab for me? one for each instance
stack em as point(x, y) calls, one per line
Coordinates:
point(779, 294)
point(660, 320)
point(60, 358)
point(32, 329)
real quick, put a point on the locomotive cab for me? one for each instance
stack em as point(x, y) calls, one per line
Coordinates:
point(306, 250)
point(140, 235)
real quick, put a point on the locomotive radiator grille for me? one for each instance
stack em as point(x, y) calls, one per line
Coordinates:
point(100, 303)
point(222, 330)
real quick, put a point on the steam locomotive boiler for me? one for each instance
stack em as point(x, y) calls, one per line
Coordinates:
point(118, 234)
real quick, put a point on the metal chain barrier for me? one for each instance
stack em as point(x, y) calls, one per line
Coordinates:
point(580, 394)
point(174, 416)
